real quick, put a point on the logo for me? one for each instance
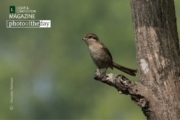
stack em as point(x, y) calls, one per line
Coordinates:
point(12, 9)
point(24, 17)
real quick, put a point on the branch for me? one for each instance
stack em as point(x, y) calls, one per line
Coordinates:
point(136, 90)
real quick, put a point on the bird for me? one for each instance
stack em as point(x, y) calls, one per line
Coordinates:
point(102, 56)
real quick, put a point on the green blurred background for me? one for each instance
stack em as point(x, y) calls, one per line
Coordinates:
point(52, 70)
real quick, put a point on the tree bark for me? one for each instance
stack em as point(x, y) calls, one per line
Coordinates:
point(157, 48)
point(158, 90)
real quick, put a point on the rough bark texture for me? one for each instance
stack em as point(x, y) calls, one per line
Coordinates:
point(158, 90)
point(157, 48)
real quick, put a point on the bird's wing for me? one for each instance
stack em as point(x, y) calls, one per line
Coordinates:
point(106, 50)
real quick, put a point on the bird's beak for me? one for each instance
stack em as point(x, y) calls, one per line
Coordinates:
point(83, 38)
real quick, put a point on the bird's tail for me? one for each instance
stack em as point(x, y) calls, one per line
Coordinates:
point(124, 69)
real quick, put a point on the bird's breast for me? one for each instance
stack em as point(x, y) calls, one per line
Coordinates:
point(96, 50)
point(99, 56)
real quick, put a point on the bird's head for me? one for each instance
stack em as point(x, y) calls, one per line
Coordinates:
point(90, 38)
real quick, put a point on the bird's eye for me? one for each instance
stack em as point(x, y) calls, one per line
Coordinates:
point(90, 36)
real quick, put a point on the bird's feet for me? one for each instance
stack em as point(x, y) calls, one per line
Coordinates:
point(99, 74)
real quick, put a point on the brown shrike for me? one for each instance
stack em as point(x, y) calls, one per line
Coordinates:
point(101, 55)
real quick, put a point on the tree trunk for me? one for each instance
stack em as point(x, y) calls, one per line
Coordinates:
point(158, 56)
point(158, 90)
